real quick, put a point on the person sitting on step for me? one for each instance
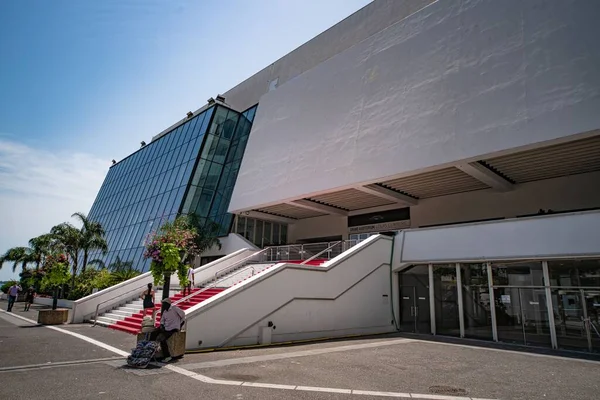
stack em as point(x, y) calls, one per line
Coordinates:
point(172, 320)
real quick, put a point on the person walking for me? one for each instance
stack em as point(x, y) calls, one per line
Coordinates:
point(148, 301)
point(13, 292)
point(29, 296)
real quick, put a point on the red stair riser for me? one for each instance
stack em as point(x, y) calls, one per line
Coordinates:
point(133, 323)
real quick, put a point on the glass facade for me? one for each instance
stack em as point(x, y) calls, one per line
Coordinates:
point(218, 166)
point(261, 233)
point(191, 169)
point(540, 303)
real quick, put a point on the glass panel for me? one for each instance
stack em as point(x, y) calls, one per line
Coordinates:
point(241, 225)
point(522, 316)
point(258, 234)
point(249, 234)
point(283, 234)
point(574, 273)
point(267, 234)
point(446, 299)
point(476, 301)
point(535, 317)
point(518, 274)
point(276, 240)
point(509, 320)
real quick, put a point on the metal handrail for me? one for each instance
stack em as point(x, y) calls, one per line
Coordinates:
point(213, 284)
point(112, 298)
point(321, 252)
point(242, 261)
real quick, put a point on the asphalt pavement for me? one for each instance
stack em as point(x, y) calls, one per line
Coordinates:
point(39, 363)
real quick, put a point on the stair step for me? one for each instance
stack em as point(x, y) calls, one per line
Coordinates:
point(113, 315)
point(126, 329)
point(108, 320)
point(131, 310)
point(121, 312)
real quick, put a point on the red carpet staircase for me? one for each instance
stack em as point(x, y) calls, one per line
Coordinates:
point(128, 318)
point(133, 324)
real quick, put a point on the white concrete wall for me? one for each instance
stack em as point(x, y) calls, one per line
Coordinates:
point(372, 18)
point(229, 244)
point(328, 225)
point(455, 81)
point(550, 236)
point(345, 296)
point(355, 28)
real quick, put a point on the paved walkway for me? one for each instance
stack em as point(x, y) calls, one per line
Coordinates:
point(78, 361)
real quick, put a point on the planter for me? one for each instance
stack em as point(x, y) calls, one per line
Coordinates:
point(53, 317)
point(176, 344)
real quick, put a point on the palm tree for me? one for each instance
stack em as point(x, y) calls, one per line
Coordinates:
point(17, 255)
point(207, 233)
point(68, 239)
point(92, 237)
point(39, 247)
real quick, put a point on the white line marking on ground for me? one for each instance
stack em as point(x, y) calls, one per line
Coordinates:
point(57, 364)
point(521, 353)
point(322, 389)
point(208, 380)
point(269, 385)
point(77, 335)
point(380, 394)
point(303, 353)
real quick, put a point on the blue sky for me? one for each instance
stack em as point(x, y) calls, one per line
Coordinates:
point(83, 82)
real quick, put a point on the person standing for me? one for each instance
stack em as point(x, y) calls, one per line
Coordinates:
point(29, 296)
point(148, 301)
point(13, 292)
point(188, 288)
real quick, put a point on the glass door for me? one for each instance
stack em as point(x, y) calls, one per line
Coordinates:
point(536, 326)
point(592, 308)
point(408, 309)
point(414, 300)
point(576, 319)
point(522, 316)
point(446, 300)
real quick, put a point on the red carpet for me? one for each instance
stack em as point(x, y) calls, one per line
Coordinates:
point(133, 324)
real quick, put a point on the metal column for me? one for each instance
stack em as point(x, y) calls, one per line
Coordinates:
point(549, 305)
point(431, 300)
point(492, 302)
point(461, 315)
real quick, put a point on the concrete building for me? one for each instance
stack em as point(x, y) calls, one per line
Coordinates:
point(467, 130)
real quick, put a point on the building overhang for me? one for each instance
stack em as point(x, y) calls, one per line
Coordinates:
point(499, 173)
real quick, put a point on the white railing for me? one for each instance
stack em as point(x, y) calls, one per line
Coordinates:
point(310, 251)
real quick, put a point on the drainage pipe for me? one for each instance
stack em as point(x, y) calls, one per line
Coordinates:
point(392, 300)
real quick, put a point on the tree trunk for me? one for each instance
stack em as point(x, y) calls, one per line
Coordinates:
point(166, 286)
point(74, 257)
point(85, 260)
point(55, 298)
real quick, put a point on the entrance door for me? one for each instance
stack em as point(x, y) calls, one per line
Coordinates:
point(414, 300)
point(408, 309)
point(522, 316)
point(576, 319)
